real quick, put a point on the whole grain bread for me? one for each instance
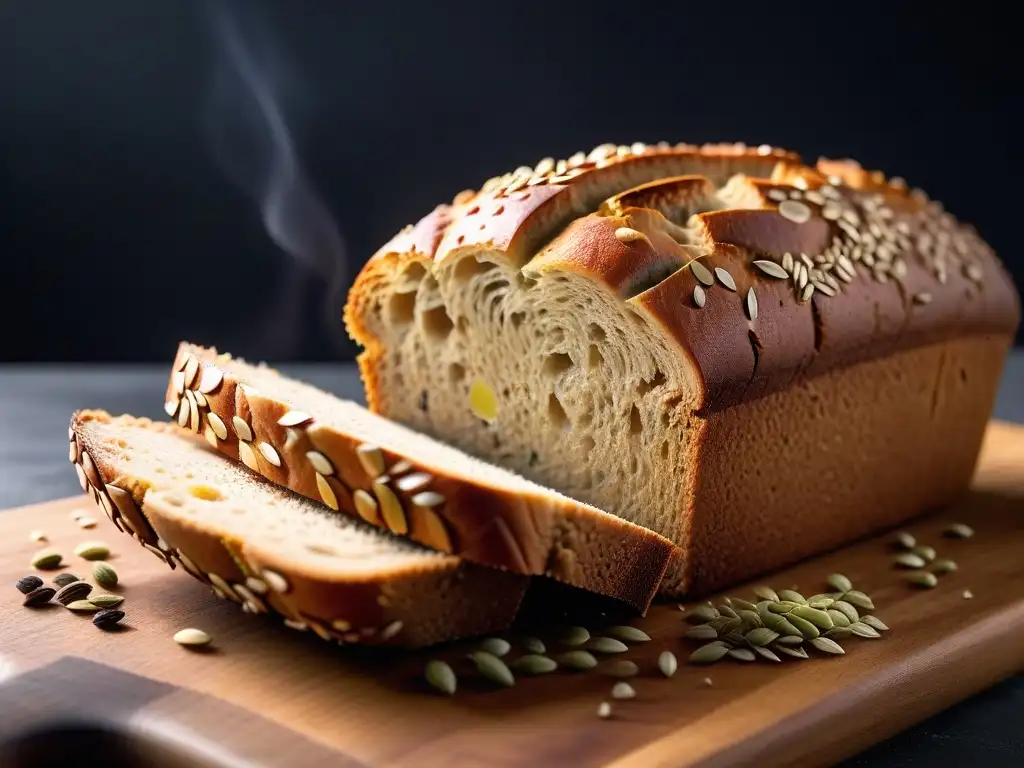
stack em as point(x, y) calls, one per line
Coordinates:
point(362, 465)
point(271, 550)
point(757, 358)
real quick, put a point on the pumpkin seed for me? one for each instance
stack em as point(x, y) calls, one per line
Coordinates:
point(702, 614)
point(709, 653)
point(742, 654)
point(628, 634)
point(729, 626)
point(607, 645)
point(822, 604)
point(780, 624)
point(534, 664)
point(967, 594)
point(577, 660)
point(789, 640)
point(496, 646)
point(493, 668)
point(104, 575)
point(743, 605)
point(92, 550)
point(944, 565)
point(28, 583)
point(859, 600)
point(727, 610)
point(761, 636)
point(804, 627)
point(792, 596)
point(798, 653)
point(839, 582)
point(106, 601)
point(702, 632)
point(839, 633)
point(623, 691)
point(909, 560)
point(958, 531)
point(860, 629)
point(47, 560)
point(623, 668)
point(604, 710)
point(440, 676)
point(825, 645)
point(534, 645)
point(904, 540)
point(667, 663)
point(575, 636)
point(782, 607)
point(766, 593)
point(923, 579)
point(82, 606)
point(750, 619)
point(767, 654)
point(817, 617)
point(875, 623)
point(846, 609)
point(839, 619)
point(923, 550)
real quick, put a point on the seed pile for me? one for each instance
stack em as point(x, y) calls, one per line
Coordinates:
point(782, 623)
point(923, 560)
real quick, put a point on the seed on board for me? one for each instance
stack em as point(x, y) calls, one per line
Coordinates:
point(958, 531)
point(702, 273)
point(441, 676)
point(771, 269)
point(923, 550)
point(192, 637)
point(904, 540)
point(628, 634)
point(709, 653)
point(795, 211)
point(28, 583)
point(534, 664)
point(104, 575)
point(702, 614)
point(76, 513)
point(923, 579)
point(493, 668)
point(47, 560)
point(699, 296)
point(607, 645)
point(574, 636)
point(604, 710)
point(92, 550)
point(622, 668)
point(725, 278)
point(577, 660)
point(82, 606)
point(742, 654)
point(63, 579)
point(39, 596)
point(825, 645)
point(496, 646)
point(622, 691)
point(668, 663)
point(967, 594)
point(944, 565)
point(86, 522)
point(766, 593)
point(37, 536)
point(76, 590)
point(909, 560)
point(108, 618)
point(839, 582)
point(106, 601)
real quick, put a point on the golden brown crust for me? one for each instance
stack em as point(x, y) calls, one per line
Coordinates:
point(431, 600)
point(525, 533)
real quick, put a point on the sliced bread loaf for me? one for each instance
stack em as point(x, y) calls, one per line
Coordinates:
point(269, 549)
point(366, 466)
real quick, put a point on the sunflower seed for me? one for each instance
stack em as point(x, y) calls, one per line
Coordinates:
point(767, 653)
point(760, 636)
point(92, 550)
point(76, 590)
point(622, 691)
point(909, 560)
point(574, 636)
point(798, 653)
point(667, 663)
point(607, 645)
point(702, 273)
point(534, 645)
point(804, 627)
point(82, 606)
point(904, 540)
point(958, 531)
point(817, 617)
point(741, 654)
point(28, 583)
point(766, 593)
point(702, 614)
point(106, 601)
point(859, 600)
point(791, 595)
point(47, 560)
point(534, 664)
point(441, 676)
point(107, 618)
point(725, 278)
point(839, 582)
point(628, 634)
point(699, 297)
point(923, 579)
point(789, 640)
point(944, 565)
point(496, 646)
point(825, 645)
point(577, 660)
point(39, 596)
point(104, 575)
point(702, 632)
point(771, 269)
point(604, 710)
point(924, 551)
point(710, 653)
point(493, 668)
point(622, 668)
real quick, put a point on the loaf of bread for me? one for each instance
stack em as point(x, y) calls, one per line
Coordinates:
point(756, 358)
point(362, 465)
point(271, 550)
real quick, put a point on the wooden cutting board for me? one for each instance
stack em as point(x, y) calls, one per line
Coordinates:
point(268, 695)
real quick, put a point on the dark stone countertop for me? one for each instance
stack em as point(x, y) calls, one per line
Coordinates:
point(36, 402)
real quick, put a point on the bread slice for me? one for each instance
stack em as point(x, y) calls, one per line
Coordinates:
point(756, 358)
point(365, 466)
point(269, 549)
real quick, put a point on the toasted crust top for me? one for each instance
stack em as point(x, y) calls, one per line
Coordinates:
point(763, 269)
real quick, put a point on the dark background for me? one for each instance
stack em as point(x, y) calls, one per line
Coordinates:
point(136, 159)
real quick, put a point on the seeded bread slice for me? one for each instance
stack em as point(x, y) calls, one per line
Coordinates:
point(365, 466)
point(272, 550)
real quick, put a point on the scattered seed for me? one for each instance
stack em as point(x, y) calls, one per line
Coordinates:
point(604, 710)
point(766, 593)
point(192, 637)
point(909, 560)
point(760, 636)
point(924, 551)
point(944, 565)
point(702, 614)
point(967, 594)
point(607, 645)
point(493, 668)
point(104, 575)
point(575, 636)
point(628, 634)
point(710, 653)
point(577, 660)
point(958, 531)
point(92, 550)
point(923, 579)
point(534, 645)
point(825, 645)
point(106, 601)
point(859, 600)
point(904, 540)
point(28, 583)
point(622, 668)
point(742, 654)
point(77, 512)
point(534, 664)
point(47, 560)
point(440, 676)
point(702, 632)
point(86, 522)
point(37, 536)
point(839, 582)
point(39, 596)
point(767, 653)
point(621, 691)
point(707, 682)
point(107, 618)
point(496, 646)
point(76, 590)
point(667, 663)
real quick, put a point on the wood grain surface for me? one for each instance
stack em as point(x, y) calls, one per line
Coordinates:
point(265, 694)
